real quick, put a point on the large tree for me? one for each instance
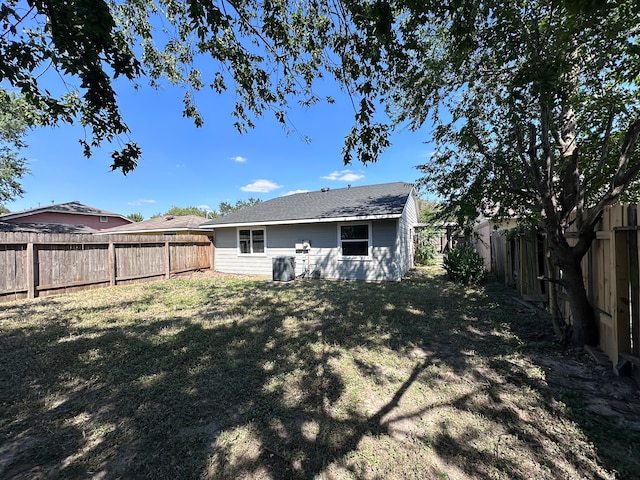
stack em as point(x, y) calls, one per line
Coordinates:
point(536, 114)
point(268, 52)
point(182, 211)
point(226, 208)
point(135, 217)
point(16, 118)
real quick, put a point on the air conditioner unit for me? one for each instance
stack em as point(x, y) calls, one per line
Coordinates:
point(284, 269)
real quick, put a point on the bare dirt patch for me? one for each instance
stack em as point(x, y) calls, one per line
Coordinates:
point(605, 394)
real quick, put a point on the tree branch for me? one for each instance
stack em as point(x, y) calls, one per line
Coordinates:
point(530, 166)
point(546, 143)
point(605, 149)
point(622, 177)
point(623, 174)
point(524, 194)
point(18, 22)
point(555, 281)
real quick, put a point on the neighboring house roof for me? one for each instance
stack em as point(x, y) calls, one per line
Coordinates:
point(344, 204)
point(75, 208)
point(28, 227)
point(167, 223)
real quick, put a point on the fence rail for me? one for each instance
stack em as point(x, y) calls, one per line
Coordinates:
point(33, 264)
point(611, 272)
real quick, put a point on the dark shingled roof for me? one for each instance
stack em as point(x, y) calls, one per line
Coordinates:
point(29, 227)
point(69, 207)
point(164, 223)
point(382, 200)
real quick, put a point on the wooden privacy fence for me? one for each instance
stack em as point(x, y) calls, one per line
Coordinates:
point(33, 264)
point(611, 272)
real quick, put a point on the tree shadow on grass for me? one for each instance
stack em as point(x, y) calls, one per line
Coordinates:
point(263, 380)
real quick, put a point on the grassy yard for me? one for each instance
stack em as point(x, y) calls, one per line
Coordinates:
point(236, 378)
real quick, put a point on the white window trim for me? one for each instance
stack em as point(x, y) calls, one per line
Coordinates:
point(104, 219)
point(251, 229)
point(369, 240)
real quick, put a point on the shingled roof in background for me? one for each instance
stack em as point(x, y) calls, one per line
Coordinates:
point(164, 223)
point(28, 227)
point(75, 208)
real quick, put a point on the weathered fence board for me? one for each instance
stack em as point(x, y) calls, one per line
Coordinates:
point(13, 276)
point(43, 264)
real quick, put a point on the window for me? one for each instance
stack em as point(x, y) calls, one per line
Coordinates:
point(104, 219)
point(354, 240)
point(251, 241)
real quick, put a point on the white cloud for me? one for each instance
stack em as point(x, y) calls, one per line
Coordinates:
point(204, 207)
point(261, 186)
point(343, 175)
point(180, 165)
point(239, 159)
point(332, 176)
point(351, 177)
point(294, 192)
point(140, 202)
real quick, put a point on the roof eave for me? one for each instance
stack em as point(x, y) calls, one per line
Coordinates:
point(362, 218)
point(154, 230)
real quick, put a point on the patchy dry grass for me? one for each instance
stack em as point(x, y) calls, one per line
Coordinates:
point(240, 378)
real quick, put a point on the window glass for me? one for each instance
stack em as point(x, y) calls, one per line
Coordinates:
point(251, 241)
point(355, 248)
point(245, 241)
point(354, 240)
point(258, 241)
point(354, 232)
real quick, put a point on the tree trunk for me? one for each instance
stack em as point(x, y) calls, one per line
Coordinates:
point(585, 328)
point(553, 301)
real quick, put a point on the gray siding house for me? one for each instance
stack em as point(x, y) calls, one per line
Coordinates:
point(355, 233)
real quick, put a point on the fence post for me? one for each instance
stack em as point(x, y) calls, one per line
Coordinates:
point(212, 256)
point(112, 264)
point(31, 270)
point(634, 275)
point(167, 260)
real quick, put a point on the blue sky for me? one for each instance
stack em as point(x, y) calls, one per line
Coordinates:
point(187, 166)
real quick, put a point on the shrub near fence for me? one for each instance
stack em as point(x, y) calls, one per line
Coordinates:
point(34, 264)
